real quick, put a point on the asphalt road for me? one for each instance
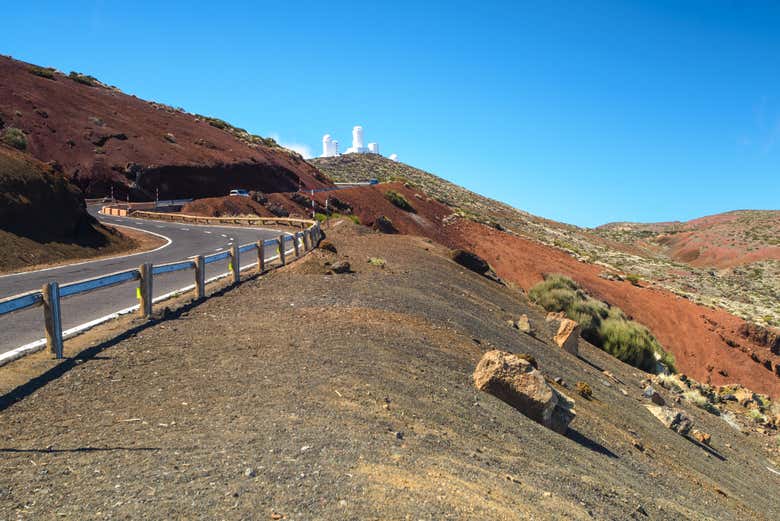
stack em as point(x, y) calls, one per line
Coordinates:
point(186, 240)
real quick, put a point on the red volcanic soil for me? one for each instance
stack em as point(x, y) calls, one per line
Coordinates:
point(705, 342)
point(720, 241)
point(225, 207)
point(102, 137)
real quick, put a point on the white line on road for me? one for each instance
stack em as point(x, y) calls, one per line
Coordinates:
point(223, 235)
point(206, 232)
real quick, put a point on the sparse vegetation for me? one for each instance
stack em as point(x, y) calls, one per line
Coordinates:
point(633, 278)
point(399, 201)
point(602, 325)
point(43, 72)
point(14, 137)
point(321, 217)
point(584, 390)
point(377, 261)
point(84, 79)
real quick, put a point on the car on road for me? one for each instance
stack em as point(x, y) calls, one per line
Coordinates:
point(239, 192)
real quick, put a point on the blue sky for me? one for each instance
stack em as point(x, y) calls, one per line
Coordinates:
point(584, 112)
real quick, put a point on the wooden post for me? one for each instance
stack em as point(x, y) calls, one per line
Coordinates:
point(145, 290)
point(235, 266)
point(280, 240)
point(260, 257)
point(52, 318)
point(296, 246)
point(200, 277)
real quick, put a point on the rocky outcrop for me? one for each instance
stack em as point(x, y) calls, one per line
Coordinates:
point(761, 335)
point(515, 381)
point(673, 419)
point(568, 336)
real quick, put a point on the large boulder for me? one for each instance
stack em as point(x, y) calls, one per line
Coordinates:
point(517, 382)
point(568, 336)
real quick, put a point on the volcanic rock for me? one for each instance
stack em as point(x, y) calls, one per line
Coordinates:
point(516, 382)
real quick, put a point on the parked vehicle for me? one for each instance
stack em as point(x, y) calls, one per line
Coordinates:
point(239, 192)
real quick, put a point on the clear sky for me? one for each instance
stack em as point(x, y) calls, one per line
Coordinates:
point(584, 112)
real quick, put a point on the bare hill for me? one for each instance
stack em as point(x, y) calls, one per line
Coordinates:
point(101, 137)
point(720, 241)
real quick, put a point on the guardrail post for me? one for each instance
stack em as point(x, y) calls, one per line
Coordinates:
point(145, 290)
point(52, 317)
point(282, 259)
point(296, 246)
point(200, 277)
point(306, 240)
point(260, 257)
point(235, 266)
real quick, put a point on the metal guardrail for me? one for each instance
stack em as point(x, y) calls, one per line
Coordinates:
point(51, 295)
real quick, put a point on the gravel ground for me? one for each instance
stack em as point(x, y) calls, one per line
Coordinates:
point(302, 395)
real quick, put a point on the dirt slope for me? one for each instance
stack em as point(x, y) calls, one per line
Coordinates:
point(353, 399)
point(43, 218)
point(706, 342)
point(750, 290)
point(102, 137)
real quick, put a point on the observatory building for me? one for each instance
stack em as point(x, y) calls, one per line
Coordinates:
point(330, 147)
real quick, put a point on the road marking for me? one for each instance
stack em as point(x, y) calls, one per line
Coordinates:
point(218, 249)
point(184, 229)
point(160, 226)
point(223, 235)
point(206, 232)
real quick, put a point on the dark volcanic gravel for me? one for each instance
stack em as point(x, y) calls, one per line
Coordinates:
point(303, 395)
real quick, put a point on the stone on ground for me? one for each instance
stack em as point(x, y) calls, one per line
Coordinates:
point(568, 336)
point(673, 419)
point(515, 381)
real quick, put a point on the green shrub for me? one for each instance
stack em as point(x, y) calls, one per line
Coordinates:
point(14, 137)
point(321, 217)
point(84, 79)
point(47, 72)
point(629, 342)
point(399, 201)
point(633, 278)
point(604, 326)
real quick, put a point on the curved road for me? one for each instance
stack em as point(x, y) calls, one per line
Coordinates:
point(183, 241)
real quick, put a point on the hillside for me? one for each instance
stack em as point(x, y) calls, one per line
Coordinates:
point(100, 137)
point(719, 241)
point(43, 218)
point(750, 291)
point(354, 399)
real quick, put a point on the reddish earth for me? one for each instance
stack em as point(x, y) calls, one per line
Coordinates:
point(705, 342)
point(721, 241)
point(101, 137)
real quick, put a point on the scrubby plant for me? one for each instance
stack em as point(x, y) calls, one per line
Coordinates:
point(633, 278)
point(602, 325)
point(14, 137)
point(43, 72)
point(584, 390)
point(377, 261)
point(399, 200)
point(84, 79)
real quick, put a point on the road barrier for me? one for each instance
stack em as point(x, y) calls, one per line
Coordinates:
point(51, 295)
